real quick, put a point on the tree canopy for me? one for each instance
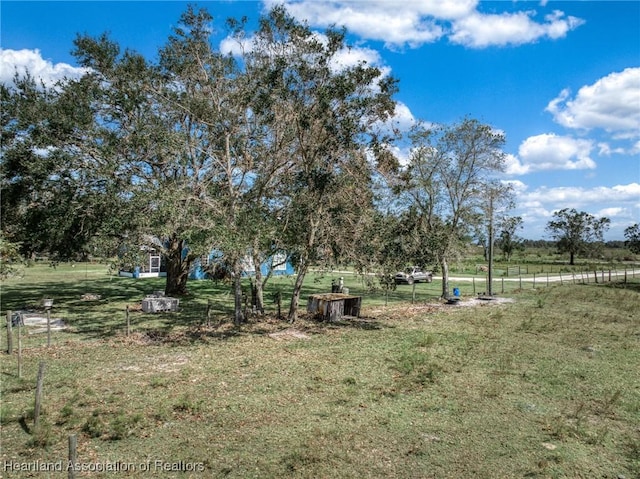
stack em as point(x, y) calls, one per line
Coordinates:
point(632, 237)
point(577, 232)
point(256, 154)
point(447, 182)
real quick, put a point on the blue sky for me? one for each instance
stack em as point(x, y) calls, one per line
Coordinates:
point(560, 79)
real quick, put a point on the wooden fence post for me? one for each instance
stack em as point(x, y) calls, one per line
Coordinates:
point(126, 312)
point(9, 333)
point(39, 390)
point(502, 289)
point(534, 281)
point(20, 348)
point(73, 456)
point(48, 327)
point(474, 285)
point(560, 274)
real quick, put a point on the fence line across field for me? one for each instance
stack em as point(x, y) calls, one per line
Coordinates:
point(546, 279)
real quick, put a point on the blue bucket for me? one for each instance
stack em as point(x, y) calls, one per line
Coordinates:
point(456, 292)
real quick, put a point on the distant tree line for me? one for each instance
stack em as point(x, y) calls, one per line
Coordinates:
point(551, 244)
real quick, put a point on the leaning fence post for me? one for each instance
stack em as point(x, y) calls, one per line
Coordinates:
point(9, 333)
point(126, 313)
point(39, 390)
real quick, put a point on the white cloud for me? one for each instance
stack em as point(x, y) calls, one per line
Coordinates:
point(517, 186)
point(611, 212)
point(410, 23)
point(619, 203)
point(551, 152)
point(21, 61)
point(402, 119)
point(349, 57)
point(235, 47)
point(413, 23)
point(479, 30)
point(579, 197)
point(513, 166)
point(612, 104)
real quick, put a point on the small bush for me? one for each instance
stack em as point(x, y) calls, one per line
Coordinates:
point(95, 426)
point(42, 435)
point(124, 426)
point(186, 404)
point(158, 382)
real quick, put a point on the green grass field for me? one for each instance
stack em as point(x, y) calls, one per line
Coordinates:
point(545, 386)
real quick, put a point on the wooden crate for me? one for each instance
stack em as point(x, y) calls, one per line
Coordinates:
point(335, 306)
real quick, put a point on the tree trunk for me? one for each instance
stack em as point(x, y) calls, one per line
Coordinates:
point(571, 258)
point(445, 277)
point(297, 288)
point(302, 268)
point(238, 316)
point(258, 285)
point(178, 265)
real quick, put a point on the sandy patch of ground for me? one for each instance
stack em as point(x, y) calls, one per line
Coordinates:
point(289, 333)
point(483, 301)
point(38, 323)
point(419, 309)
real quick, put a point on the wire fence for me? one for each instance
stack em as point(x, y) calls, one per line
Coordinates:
point(474, 285)
point(512, 283)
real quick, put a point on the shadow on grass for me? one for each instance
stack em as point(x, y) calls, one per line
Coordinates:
point(23, 424)
point(358, 323)
point(205, 313)
point(226, 330)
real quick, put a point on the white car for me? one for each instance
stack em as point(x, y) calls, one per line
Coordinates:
point(413, 275)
